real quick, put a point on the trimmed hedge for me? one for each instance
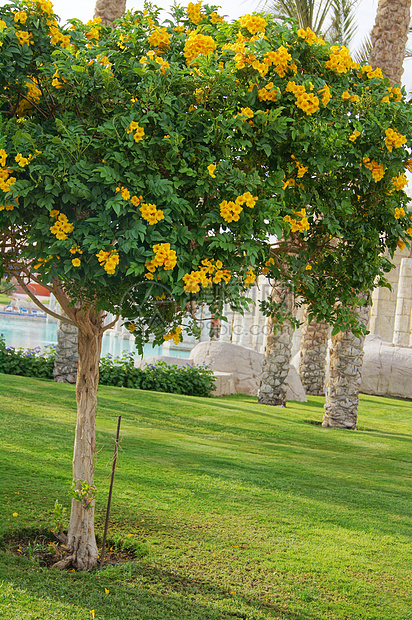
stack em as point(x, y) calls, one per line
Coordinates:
point(118, 371)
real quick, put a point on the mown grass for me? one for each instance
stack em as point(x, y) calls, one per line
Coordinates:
point(242, 510)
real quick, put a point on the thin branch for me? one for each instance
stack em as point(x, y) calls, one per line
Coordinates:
point(110, 325)
point(38, 302)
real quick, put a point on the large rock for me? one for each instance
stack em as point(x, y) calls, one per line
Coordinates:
point(245, 365)
point(387, 368)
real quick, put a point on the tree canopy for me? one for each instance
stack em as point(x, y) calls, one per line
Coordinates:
point(192, 156)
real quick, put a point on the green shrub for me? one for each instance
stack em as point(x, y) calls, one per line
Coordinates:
point(27, 362)
point(117, 371)
point(159, 377)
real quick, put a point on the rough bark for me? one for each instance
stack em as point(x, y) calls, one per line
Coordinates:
point(65, 365)
point(389, 38)
point(278, 349)
point(81, 543)
point(109, 10)
point(313, 348)
point(345, 372)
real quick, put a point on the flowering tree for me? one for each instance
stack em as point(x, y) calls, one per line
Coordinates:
point(149, 168)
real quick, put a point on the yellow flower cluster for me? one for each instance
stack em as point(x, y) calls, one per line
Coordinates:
point(193, 12)
point(56, 80)
point(308, 102)
point(20, 16)
point(61, 227)
point(136, 130)
point(354, 135)
point(339, 59)
point(197, 44)
point(175, 335)
point(3, 157)
point(211, 169)
point(58, 37)
point(6, 207)
point(108, 260)
point(231, 210)
point(376, 169)
point(210, 272)
point(247, 199)
point(310, 37)
point(246, 112)
point(399, 183)
point(150, 213)
point(45, 5)
point(159, 38)
point(24, 37)
point(377, 73)
point(6, 181)
point(395, 94)
point(23, 161)
point(151, 56)
point(301, 168)
point(250, 277)
point(266, 268)
point(399, 212)
point(394, 139)
point(326, 95)
point(253, 23)
point(268, 93)
point(298, 225)
point(164, 256)
point(215, 18)
point(280, 59)
point(33, 92)
point(347, 96)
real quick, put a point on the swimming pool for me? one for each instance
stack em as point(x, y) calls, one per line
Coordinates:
point(29, 333)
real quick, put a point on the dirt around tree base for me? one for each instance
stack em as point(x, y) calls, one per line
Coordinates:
point(42, 548)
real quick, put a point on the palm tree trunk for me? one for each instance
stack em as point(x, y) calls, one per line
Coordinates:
point(278, 349)
point(67, 357)
point(313, 350)
point(389, 38)
point(345, 371)
point(109, 10)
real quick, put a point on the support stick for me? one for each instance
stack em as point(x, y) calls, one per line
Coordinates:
point(116, 446)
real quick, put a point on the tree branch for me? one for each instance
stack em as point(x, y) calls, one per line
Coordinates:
point(110, 325)
point(38, 302)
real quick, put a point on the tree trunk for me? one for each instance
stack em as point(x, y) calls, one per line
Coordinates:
point(313, 350)
point(81, 543)
point(109, 10)
point(345, 373)
point(389, 38)
point(278, 349)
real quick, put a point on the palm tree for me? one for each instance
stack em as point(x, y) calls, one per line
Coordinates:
point(313, 14)
point(388, 39)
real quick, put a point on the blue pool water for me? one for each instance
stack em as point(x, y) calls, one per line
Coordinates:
point(29, 333)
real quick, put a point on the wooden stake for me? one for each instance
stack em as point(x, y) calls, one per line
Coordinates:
point(116, 446)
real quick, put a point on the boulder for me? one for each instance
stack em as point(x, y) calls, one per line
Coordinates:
point(387, 368)
point(245, 365)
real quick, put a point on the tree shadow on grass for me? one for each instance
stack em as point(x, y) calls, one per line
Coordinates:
point(136, 590)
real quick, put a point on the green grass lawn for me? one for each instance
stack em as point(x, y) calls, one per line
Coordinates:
point(241, 510)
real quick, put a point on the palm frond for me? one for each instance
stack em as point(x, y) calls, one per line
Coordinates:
point(364, 51)
point(343, 26)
